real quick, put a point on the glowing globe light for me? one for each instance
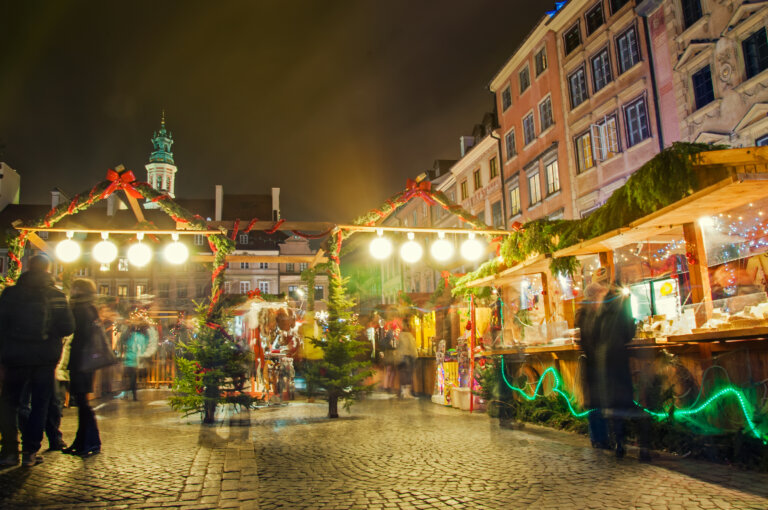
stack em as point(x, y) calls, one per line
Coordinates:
point(139, 254)
point(472, 249)
point(68, 250)
point(380, 247)
point(105, 251)
point(441, 249)
point(411, 251)
point(176, 252)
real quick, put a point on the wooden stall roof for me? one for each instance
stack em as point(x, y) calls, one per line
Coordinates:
point(736, 190)
point(531, 266)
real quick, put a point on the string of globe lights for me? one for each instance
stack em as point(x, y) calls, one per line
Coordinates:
point(441, 249)
point(139, 254)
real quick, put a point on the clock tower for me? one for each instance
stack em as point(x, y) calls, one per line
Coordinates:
point(161, 170)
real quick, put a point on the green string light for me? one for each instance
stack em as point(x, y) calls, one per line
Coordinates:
point(725, 392)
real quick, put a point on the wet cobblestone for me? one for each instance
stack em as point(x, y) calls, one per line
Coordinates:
point(385, 454)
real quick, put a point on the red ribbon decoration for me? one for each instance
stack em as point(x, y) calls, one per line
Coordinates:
point(446, 275)
point(123, 181)
point(516, 226)
point(275, 227)
point(250, 225)
point(236, 228)
point(421, 189)
point(335, 255)
point(73, 204)
point(312, 236)
point(254, 293)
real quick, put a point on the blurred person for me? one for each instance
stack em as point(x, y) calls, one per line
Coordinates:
point(136, 345)
point(406, 355)
point(34, 317)
point(389, 357)
point(82, 296)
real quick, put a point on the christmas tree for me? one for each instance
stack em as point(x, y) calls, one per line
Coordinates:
point(343, 369)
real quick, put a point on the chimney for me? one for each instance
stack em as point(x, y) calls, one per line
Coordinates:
point(111, 204)
point(55, 197)
point(466, 143)
point(275, 204)
point(219, 202)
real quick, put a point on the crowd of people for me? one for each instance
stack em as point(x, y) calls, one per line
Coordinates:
point(49, 340)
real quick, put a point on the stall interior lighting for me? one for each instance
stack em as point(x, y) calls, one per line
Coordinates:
point(380, 247)
point(105, 251)
point(411, 251)
point(139, 254)
point(176, 252)
point(441, 249)
point(68, 250)
point(472, 249)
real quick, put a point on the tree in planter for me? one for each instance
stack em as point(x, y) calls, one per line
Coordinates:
point(211, 368)
point(339, 373)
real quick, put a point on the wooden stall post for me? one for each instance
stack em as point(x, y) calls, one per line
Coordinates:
point(547, 297)
point(701, 291)
point(471, 350)
point(606, 260)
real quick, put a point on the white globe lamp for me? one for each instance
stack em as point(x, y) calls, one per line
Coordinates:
point(380, 247)
point(139, 254)
point(68, 250)
point(441, 249)
point(472, 249)
point(411, 251)
point(176, 252)
point(105, 250)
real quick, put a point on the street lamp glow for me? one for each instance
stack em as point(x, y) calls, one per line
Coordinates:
point(380, 247)
point(176, 252)
point(707, 222)
point(411, 251)
point(105, 250)
point(139, 254)
point(441, 249)
point(472, 249)
point(68, 250)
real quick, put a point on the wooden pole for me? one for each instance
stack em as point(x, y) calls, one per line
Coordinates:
point(472, 331)
point(701, 290)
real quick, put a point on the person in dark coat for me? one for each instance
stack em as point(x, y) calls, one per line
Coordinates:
point(82, 297)
point(34, 317)
point(589, 327)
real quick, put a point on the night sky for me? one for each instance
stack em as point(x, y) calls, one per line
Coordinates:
point(335, 102)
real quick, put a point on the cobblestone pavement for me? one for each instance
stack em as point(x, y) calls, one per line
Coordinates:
point(385, 454)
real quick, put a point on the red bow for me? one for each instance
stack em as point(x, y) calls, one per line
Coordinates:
point(421, 189)
point(516, 226)
point(124, 181)
point(254, 293)
point(446, 275)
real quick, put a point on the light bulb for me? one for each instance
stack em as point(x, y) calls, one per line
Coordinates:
point(472, 249)
point(380, 247)
point(176, 252)
point(68, 250)
point(441, 249)
point(105, 250)
point(411, 251)
point(139, 254)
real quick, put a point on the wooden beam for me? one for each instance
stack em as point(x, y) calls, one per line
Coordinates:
point(430, 230)
point(733, 157)
point(701, 290)
point(319, 259)
point(136, 207)
point(116, 231)
point(302, 226)
point(273, 259)
point(606, 260)
point(36, 240)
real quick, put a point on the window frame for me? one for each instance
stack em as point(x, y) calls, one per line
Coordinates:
point(685, 14)
point(617, 136)
point(627, 127)
point(573, 28)
point(617, 43)
point(514, 199)
point(532, 126)
point(579, 70)
point(615, 9)
point(541, 64)
point(605, 65)
point(464, 187)
point(243, 238)
point(749, 71)
point(544, 126)
point(535, 175)
point(493, 168)
point(597, 6)
point(477, 179)
point(244, 286)
point(263, 286)
point(506, 98)
point(524, 84)
point(702, 87)
point(553, 178)
point(510, 135)
point(579, 151)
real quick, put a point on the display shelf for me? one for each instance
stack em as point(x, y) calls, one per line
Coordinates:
point(722, 335)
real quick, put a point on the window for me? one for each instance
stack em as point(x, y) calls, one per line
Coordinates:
point(245, 287)
point(289, 267)
point(199, 239)
point(263, 265)
point(318, 292)
point(514, 201)
point(584, 160)
point(595, 18)
point(525, 79)
point(243, 238)
point(691, 11)
point(122, 291)
point(181, 292)
point(577, 83)
point(104, 289)
point(617, 4)
point(529, 129)
point(292, 291)
point(605, 136)
point(264, 287)
point(534, 188)
point(509, 142)
point(83, 271)
point(141, 290)
point(636, 120)
point(227, 287)
point(498, 217)
point(163, 289)
point(122, 264)
point(545, 113)
point(493, 164)
point(627, 49)
point(572, 38)
point(541, 61)
point(201, 290)
point(303, 266)
point(553, 177)
point(506, 99)
point(755, 52)
point(244, 265)
point(478, 179)
point(762, 141)
point(703, 92)
point(601, 69)
point(464, 190)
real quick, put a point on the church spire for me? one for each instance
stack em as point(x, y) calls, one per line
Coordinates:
point(162, 141)
point(161, 169)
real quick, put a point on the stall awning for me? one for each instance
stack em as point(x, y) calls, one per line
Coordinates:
point(529, 267)
point(735, 191)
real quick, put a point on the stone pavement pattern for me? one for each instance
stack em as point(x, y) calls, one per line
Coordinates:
point(385, 454)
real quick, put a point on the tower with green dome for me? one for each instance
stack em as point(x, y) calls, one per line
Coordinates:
point(161, 170)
